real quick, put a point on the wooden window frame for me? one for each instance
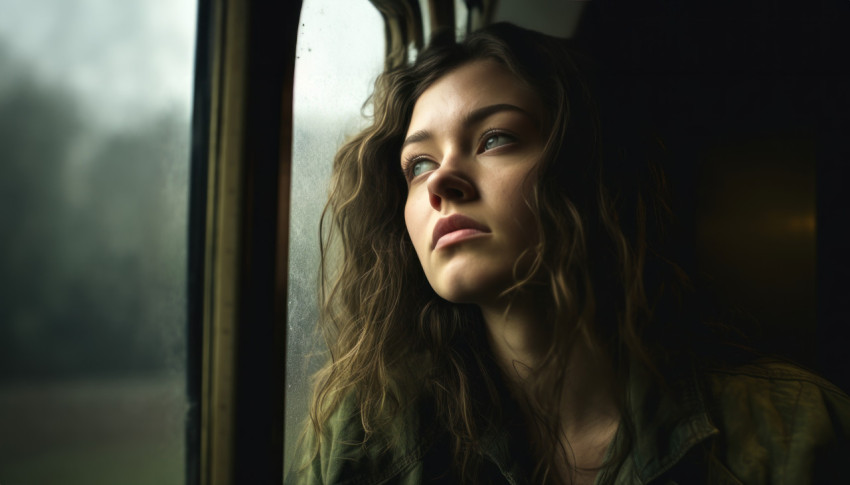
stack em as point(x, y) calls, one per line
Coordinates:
point(239, 234)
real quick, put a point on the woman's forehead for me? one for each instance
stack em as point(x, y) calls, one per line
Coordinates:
point(470, 87)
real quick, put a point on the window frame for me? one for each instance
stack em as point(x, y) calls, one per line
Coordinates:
point(238, 246)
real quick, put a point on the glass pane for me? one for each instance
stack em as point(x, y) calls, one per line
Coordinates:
point(95, 101)
point(339, 54)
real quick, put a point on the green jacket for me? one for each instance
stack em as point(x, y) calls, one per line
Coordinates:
point(761, 423)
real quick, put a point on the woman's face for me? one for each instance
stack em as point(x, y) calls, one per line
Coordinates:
point(469, 155)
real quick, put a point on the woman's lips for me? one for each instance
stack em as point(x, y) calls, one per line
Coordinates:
point(455, 228)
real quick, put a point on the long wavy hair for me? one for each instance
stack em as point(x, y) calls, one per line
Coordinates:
point(599, 207)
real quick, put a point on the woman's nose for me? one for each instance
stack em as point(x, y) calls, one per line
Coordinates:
point(450, 184)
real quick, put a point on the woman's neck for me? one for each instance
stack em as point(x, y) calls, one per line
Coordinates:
point(589, 414)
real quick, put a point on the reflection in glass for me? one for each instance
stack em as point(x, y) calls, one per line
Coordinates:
point(94, 129)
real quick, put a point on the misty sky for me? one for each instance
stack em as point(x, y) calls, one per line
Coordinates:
point(122, 59)
point(95, 99)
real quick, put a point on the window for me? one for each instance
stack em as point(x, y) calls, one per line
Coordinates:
point(95, 103)
point(340, 52)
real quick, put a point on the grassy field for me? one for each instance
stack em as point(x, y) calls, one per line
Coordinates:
point(96, 432)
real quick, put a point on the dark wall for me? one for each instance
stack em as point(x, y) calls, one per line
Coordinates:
point(751, 101)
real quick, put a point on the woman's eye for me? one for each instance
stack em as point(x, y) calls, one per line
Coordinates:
point(497, 140)
point(418, 167)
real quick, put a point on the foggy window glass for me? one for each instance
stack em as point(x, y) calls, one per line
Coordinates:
point(339, 54)
point(95, 100)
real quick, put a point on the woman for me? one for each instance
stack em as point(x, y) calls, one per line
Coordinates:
point(501, 309)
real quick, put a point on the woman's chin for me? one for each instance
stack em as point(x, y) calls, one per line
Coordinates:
point(467, 289)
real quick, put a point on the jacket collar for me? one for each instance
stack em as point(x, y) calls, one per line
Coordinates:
point(667, 422)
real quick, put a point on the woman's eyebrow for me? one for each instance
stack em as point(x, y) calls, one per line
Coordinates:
point(416, 137)
point(480, 114)
point(471, 118)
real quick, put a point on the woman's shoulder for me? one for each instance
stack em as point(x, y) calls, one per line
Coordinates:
point(776, 420)
point(770, 372)
point(346, 453)
point(780, 386)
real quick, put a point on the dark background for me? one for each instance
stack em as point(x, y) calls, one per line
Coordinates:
point(751, 101)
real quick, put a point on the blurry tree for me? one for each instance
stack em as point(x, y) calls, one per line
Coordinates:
point(92, 251)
